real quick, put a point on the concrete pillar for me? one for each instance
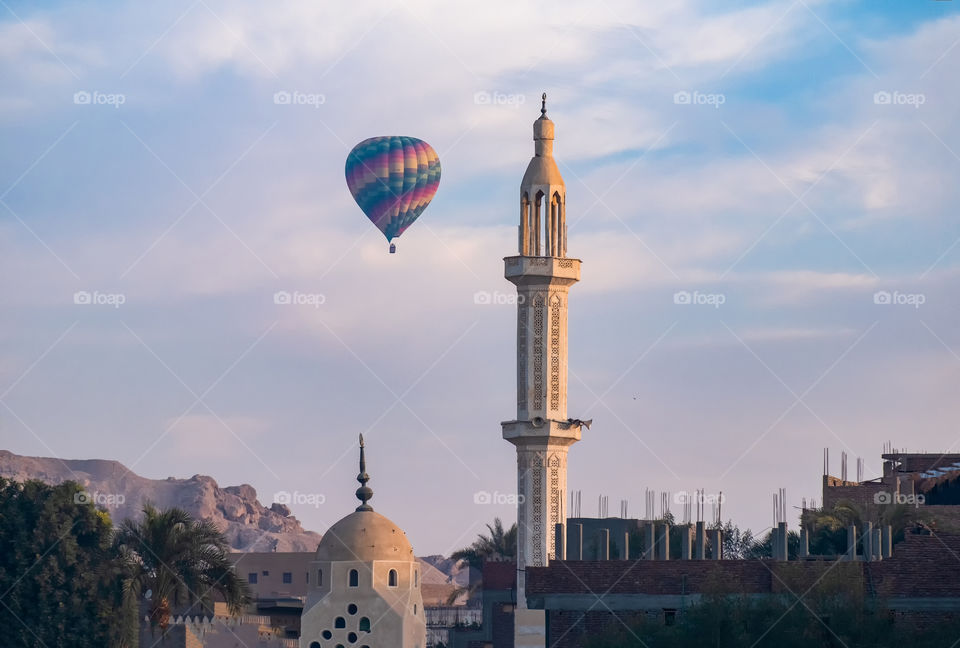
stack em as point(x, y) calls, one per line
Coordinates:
point(650, 540)
point(851, 542)
point(685, 543)
point(663, 542)
point(603, 544)
point(625, 549)
point(868, 541)
point(877, 544)
point(560, 542)
point(783, 550)
point(886, 541)
point(576, 552)
point(716, 544)
point(804, 543)
point(700, 543)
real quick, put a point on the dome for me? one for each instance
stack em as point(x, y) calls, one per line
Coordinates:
point(541, 171)
point(364, 536)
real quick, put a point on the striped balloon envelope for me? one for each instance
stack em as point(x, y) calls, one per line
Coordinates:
point(393, 179)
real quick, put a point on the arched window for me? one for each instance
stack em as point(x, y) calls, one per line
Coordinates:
point(364, 624)
point(392, 578)
point(416, 578)
point(319, 577)
point(340, 623)
point(352, 609)
point(354, 578)
point(414, 609)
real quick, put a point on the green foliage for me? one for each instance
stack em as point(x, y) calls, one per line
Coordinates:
point(58, 575)
point(180, 561)
point(500, 545)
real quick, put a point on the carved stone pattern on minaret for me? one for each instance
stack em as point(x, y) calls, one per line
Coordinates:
point(522, 323)
point(556, 303)
point(523, 464)
point(566, 263)
point(536, 515)
point(538, 308)
point(555, 513)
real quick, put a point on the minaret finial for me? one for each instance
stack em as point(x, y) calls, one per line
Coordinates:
point(364, 493)
point(543, 104)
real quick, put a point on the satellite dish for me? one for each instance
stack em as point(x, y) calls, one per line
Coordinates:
point(148, 594)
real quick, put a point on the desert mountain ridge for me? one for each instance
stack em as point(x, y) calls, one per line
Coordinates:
point(247, 524)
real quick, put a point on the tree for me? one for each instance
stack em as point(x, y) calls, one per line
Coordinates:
point(58, 575)
point(180, 561)
point(500, 544)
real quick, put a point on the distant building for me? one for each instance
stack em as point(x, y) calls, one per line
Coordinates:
point(364, 588)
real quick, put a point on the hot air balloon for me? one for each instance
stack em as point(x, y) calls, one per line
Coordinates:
point(393, 179)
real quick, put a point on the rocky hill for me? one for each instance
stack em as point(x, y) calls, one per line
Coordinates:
point(247, 524)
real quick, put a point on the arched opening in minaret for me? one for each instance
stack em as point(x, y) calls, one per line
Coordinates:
point(559, 226)
point(538, 208)
point(354, 578)
point(525, 224)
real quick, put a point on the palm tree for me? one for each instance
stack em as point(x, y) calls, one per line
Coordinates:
point(500, 544)
point(180, 561)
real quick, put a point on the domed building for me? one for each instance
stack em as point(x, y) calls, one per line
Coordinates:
point(365, 583)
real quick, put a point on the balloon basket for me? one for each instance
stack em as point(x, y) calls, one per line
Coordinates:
point(393, 248)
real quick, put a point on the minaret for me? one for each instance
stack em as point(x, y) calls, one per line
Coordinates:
point(541, 432)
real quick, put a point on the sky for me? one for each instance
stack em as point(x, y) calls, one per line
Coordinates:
point(763, 195)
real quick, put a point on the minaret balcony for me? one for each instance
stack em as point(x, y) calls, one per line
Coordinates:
point(532, 270)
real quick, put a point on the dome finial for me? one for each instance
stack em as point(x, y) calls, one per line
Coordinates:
point(364, 493)
point(543, 104)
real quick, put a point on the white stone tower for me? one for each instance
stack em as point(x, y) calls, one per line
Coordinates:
point(541, 432)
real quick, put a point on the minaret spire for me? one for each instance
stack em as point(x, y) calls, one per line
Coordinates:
point(543, 105)
point(364, 493)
